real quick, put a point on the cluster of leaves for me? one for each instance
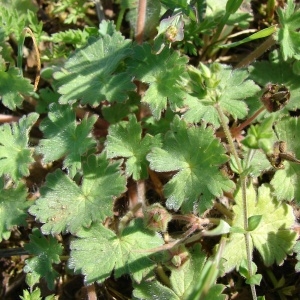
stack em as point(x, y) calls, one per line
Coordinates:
point(171, 128)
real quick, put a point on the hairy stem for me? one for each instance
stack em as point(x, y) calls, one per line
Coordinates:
point(243, 180)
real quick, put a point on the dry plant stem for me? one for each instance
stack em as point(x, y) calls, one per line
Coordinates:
point(141, 191)
point(91, 291)
point(256, 53)
point(38, 59)
point(243, 180)
point(140, 26)
point(8, 118)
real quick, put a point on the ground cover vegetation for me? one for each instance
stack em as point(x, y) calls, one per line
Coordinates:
point(149, 149)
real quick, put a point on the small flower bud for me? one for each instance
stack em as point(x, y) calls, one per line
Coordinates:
point(156, 217)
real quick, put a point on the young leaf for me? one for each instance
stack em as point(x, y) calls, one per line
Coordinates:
point(46, 252)
point(196, 154)
point(12, 87)
point(284, 181)
point(273, 238)
point(15, 155)
point(98, 251)
point(89, 75)
point(64, 138)
point(228, 88)
point(13, 208)
point(124, 140)
point(64, 206)
point(288, 34)
point(164, 73)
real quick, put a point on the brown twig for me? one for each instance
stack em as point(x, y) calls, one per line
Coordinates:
point(38, 58)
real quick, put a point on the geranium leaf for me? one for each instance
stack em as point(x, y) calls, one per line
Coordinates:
point(163, 72)
point(273, 238)
point(284, 180)
point(13, 208)
point(123, 254)
point(264, 72)
point(125, 140)
point(15, 155)
point(90, 76)
point(64, 137)
point(288, 34)
point(66, 207)
point(196, 154)
point(229, 88)
point(46, 252)
point(12, 87)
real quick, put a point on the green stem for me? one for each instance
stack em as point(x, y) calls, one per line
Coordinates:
point(243, 180)
point(120, 19)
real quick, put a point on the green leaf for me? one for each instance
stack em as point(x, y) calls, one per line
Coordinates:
point(13, 208)
point(288, 34)
point(125, 140)
point(98, 251)
point(297, 251)
point(15, 155)
point(90, 74)
point(153, 289)
point(66, 207)
point(64, 138)
point(254, 279)
point(273, 238)
point(227, 87)
point(280, 73)
point(285, 181)
point(182, 280)
point(196, 154)
point(253, 222)
point(257, 35)
point(46, 252)
point(12, 88)
point(164, 73)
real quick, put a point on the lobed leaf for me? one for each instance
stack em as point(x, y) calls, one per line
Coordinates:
point(264, 72)
point(66, 207)
point(46, 252)
point(285, 182)
point(288, 34)
point(196, 154)
point(15, 155)
point(273, 238)
point(64, 137)
point(90, 74)
point(12, 88)
point(98, 251)
point(125, 140)
point(229, 88)
point(13, 208)
point(164, 73)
